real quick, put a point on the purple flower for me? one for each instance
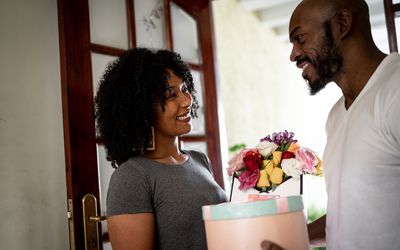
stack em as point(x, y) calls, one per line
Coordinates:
point(282, 139)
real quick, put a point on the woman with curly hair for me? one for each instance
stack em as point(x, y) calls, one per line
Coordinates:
point(145, 100)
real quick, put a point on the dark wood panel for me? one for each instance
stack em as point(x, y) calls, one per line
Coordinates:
point(396, 9)
point(390, 24)
point(168, 27)
point(130, 9)
point(197, 67)
point(106, 50)
point(193, 138)
point(77, 104)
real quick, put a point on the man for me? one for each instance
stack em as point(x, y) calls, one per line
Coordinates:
point(332, 42)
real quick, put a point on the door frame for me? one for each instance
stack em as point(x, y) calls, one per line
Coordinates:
point(200, 11)
point(77, 94)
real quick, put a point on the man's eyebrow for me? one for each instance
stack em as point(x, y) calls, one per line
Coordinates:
point(292, 32)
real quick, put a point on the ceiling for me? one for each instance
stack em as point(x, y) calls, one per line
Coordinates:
point(275, 14)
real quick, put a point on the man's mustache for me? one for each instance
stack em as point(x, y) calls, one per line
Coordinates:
point(302, 60)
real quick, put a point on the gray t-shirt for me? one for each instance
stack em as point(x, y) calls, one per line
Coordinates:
point(174, 193)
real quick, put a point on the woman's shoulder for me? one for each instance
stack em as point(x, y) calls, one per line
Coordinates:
point(133, 166)
point(200, 157)
point(197, 155)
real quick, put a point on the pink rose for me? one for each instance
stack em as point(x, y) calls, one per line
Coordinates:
point(252, 159)
point(307, 159)
point(236, 163)
point(248, 179)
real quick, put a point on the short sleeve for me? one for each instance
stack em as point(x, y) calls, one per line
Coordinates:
point(129, 192)
point(202, 158)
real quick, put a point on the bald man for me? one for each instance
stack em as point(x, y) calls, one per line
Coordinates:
point(332, 42)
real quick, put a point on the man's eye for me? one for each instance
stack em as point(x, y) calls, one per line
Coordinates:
point(300, 39)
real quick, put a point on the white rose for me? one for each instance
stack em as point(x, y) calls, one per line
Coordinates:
point(265, 148)
point(291, 167)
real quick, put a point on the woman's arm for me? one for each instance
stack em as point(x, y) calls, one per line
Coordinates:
point(131, 231)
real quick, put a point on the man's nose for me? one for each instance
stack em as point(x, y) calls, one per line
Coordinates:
point(296, 52)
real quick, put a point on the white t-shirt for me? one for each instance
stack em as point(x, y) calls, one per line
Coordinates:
point(362, 165)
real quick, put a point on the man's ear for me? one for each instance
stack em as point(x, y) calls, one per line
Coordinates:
point(343, 19)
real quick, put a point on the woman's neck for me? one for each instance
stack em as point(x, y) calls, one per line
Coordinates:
point(167, 153)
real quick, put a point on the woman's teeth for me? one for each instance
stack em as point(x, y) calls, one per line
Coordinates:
point(183, 117)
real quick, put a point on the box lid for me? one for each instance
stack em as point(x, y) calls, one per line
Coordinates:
point(248, 209)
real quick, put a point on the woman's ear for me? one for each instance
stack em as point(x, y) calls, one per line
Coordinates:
point(343, 19)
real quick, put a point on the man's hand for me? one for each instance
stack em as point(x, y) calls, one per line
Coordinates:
point(316, 232)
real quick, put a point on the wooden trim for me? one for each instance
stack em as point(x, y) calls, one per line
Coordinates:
point(396, 9)
point(193, 138)
point(200, 10)
point(168, 27)
point(197, 67)
point(130, 9)
point(106, 50)
point(210, 85)
point(390, 25)
point(77, 106)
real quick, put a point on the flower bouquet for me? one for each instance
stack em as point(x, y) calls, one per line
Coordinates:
point(276, 158)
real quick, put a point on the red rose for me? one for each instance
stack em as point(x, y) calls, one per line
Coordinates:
point(252, 160)
point(287, 155)
point(248, 179)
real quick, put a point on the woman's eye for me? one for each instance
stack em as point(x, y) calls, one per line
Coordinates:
point(170, 93)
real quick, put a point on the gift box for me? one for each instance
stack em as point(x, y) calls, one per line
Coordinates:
point(255, 224)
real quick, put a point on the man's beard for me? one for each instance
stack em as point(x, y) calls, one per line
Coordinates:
point(328, 62)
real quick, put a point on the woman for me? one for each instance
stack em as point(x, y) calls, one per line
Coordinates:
point(144, 102)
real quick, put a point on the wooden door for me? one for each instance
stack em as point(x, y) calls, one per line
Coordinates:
point(85, 50)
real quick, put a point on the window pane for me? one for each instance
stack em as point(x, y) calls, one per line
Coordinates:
point(99, 64)
point(150, 24)
point(108, 23)
point(184, 35)
point(198, 124)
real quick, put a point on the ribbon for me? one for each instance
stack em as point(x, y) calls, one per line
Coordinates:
point(282, 205)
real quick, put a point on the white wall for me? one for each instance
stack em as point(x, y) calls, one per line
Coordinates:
point(32, 177)
point(263, 92)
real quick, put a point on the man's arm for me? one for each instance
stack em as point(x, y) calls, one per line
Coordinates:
point(316, 231)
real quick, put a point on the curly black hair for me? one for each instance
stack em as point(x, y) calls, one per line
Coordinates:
point(127, 96)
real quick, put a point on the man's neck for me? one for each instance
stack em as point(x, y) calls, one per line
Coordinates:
point(357, 70)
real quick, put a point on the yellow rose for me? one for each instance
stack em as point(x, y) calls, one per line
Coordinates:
point(268, 165)
point(276, 157)
point(277, 176)
point(263, 180)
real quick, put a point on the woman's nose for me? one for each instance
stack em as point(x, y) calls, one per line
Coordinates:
point(186, 100)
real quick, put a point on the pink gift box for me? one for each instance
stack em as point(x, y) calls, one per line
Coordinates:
point(250, 224)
